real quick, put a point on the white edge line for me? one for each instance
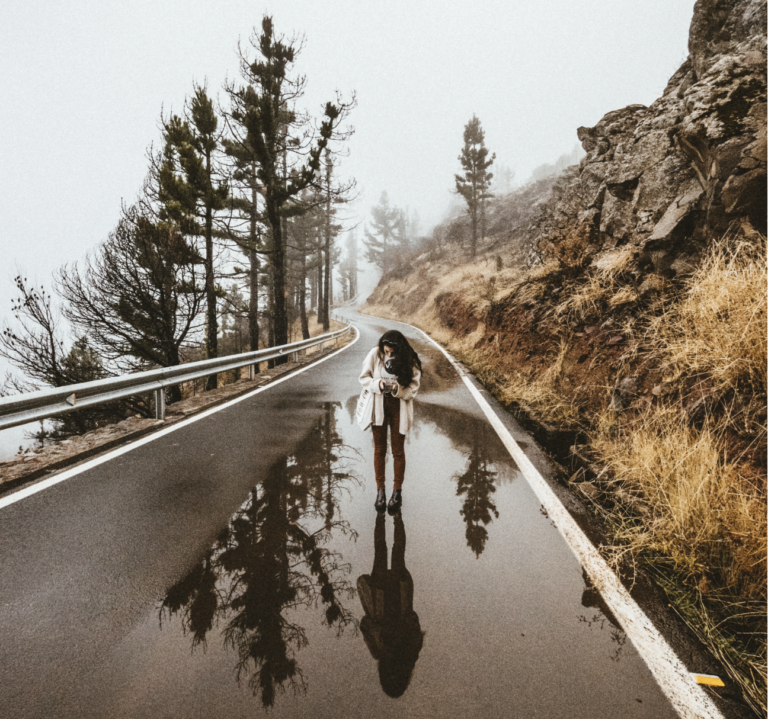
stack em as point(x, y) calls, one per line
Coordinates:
point(678, 684)
point(67, 474)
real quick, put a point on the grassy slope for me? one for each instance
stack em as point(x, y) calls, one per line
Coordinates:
point(664, 385)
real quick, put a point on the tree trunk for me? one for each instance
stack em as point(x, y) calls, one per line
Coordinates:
point(253, 303)
point(482, 217)
point(279, 304)
point(212, 338)
point(173, 393)
point(327, 278)
point(279, 287)
point(320, 283)
point(270, 313)
point(473, 217)
point(313, 291)
point(303, 293)
point(327, 289)
point(253, 299)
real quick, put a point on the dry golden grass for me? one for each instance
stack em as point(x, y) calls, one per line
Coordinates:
point(708, 512)
point(603, 285)
point(719, 327)
point(615, 261)
point(541, 393)
point(545, 270)
point(707, 523)
point(706, 528)
point(478, 284)
point(538, 393)
point(586, 302)
point(624, 296)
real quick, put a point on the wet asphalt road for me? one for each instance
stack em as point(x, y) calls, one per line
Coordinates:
point(238, 563)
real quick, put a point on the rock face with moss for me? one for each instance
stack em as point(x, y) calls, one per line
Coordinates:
point(666, 178)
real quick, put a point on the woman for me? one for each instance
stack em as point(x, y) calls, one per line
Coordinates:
point(392, 372)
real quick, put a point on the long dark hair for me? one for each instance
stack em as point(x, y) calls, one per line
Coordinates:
point(405, 356)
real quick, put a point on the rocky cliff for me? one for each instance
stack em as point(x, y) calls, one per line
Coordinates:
point(666, 178)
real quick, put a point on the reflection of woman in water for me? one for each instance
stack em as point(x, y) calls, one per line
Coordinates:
point(392, 372)
point(390, 627)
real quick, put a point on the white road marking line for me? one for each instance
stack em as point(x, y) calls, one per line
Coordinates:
point(68, 474)
point(678, 684)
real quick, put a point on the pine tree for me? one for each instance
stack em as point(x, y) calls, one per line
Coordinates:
point(474, 185)
point(138, 296)
point(385, 235)
point(195, 139)
point(274, 129)
point(245, 225)
point(349, 267)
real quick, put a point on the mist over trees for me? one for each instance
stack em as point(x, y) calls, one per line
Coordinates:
point(555, 168)
point(231, 243)
point(391, 236)
point(350, 267)
point(503, 179)
point(237, 239)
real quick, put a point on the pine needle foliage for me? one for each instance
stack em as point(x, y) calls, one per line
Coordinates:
point(474, 184)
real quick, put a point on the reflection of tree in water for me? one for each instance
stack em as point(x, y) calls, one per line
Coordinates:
point(476, 485)
point(322, 461)
point(591, 598)
point(268, 561)
point(488, 465)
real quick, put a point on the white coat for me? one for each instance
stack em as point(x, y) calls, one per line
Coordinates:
point(371, 377)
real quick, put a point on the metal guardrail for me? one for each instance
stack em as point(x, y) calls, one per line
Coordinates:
point(45, 403)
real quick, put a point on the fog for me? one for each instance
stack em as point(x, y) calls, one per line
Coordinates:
point(83, 83)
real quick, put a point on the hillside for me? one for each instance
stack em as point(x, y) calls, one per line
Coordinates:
point(620, 310)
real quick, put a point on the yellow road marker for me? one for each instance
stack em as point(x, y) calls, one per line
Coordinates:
point(709, 679)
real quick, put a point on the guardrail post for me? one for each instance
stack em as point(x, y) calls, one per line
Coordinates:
point(294, 357)
point(160, 403)
point(251, 372)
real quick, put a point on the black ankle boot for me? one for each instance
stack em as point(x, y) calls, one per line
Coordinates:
point(381, 501)
point(396, 501)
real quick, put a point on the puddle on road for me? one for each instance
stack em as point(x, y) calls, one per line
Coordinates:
point(468, 603)
point(273, 557)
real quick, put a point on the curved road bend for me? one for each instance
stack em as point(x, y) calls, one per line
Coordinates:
point(238, 562)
